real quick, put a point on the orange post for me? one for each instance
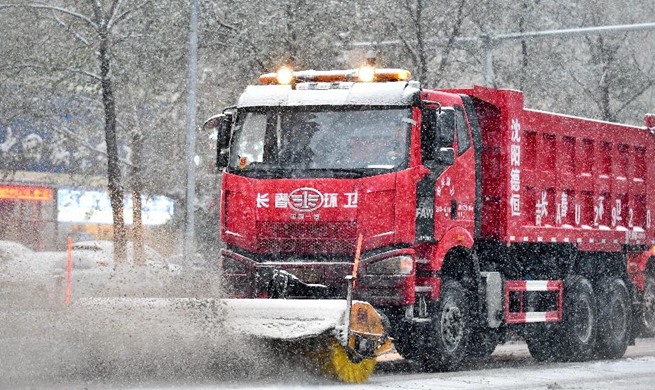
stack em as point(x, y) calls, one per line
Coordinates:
point(358, 252)
point(69, 271)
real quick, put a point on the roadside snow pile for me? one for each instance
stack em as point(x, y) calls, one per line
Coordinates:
point(27, 277)
point(21, 262)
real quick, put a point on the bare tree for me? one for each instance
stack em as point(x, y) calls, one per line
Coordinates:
point(97, 28)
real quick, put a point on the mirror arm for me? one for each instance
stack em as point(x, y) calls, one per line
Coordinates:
point(424, 102)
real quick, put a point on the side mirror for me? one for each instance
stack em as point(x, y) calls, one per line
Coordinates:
point(446, 128)
point(222, 125)
point(213, 122)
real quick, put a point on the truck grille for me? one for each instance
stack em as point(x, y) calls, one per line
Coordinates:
point(307, 237)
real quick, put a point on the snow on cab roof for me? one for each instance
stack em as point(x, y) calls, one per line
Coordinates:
point(400, 93)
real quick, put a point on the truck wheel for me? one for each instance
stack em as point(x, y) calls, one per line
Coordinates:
point(450, 329)
point(579, 322)
point(573, 338)
point(613, 318)
point(405, 343)
point(543, 341)
point(648, 307)
point(482, 343)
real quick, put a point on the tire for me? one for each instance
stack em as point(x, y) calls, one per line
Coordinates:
point(575, 337)
point(543, 340)
point(448, 334)
point(407, 342)
point(647, 317)
point(580, 320)
point(614, 314)
point(482, 343)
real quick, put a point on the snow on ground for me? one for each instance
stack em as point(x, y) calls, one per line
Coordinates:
point(629, 373)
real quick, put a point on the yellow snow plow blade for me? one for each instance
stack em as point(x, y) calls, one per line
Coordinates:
point(317, 329)
point(345, 363)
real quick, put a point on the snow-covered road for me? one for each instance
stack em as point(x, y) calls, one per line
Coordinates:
point(511, 367)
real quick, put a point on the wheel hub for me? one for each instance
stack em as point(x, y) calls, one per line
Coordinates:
point(619, 319)
point(583, 322)
point(452, 326)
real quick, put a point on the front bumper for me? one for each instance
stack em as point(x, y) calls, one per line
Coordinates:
point(243, 277)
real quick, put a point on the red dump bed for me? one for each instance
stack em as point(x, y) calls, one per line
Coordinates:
point(555, 178)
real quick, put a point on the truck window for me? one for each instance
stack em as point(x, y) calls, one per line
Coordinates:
point(248, 143)
point(463, 139)
point(322, 138)
point(429, 134)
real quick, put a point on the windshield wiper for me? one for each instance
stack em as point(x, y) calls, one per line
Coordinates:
point(340, 172)
point(261, 169)
point(258, 165)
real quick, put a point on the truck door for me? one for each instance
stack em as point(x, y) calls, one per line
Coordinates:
point(457, 183)
point(446, 196)
point(437, 153)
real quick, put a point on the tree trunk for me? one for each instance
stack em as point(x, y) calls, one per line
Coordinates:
point(605, 57)
point(113, 169)
point(420, 44)
point(524, 46)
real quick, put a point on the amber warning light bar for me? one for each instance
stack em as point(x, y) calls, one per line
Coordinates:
point(366, 74)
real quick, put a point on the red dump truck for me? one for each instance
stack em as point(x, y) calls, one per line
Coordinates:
point(459, 214)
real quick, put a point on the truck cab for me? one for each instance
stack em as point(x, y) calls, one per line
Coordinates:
point(310, 166)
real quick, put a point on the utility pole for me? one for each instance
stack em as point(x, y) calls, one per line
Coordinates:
point(189, 236)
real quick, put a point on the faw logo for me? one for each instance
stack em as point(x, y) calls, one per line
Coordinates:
point(305, 199)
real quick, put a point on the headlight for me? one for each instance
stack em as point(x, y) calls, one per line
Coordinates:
point(400, 265)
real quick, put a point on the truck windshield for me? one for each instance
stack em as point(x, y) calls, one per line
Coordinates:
point(317, 138)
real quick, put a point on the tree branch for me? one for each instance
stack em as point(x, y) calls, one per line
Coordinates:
point(409, 48)
point(113, 10)
point(67, 27)
point(55, 69)
point(84, 18)
point(125, 15)
point(225, 25)
point(97, 12)
point(455, 33)
point(584, 88)
point(635, 96)
point(118, 40)
point(85, 144)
